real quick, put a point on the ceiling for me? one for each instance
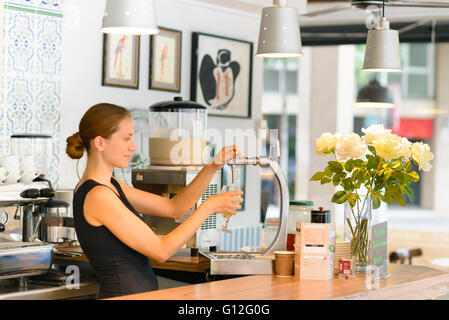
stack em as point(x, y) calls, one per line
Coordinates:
point(348, 16)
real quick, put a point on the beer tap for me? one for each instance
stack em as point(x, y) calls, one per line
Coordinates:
point(280, 240)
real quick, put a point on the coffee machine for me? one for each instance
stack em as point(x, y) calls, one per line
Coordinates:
point(21, 253)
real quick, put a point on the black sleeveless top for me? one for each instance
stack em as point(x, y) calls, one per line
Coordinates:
point(120, 269)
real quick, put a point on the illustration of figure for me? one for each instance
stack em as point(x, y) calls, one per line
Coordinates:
point(164, 61)
point(119, 56)
point(218, 80)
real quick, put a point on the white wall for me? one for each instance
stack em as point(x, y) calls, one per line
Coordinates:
point(82, 71)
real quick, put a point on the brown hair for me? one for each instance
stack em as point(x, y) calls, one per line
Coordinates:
point(100, 120)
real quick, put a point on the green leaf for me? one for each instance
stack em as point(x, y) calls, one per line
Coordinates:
point(358, 163)
point(336, 166)
point(372, 149)
point(372, 163)
point(408, 166)
point(413, 175)
point(325, 180)
point(328, 171)
point(349, 165)
point(352, 199)
point(410, 193)
point(317, 176)
point(347, 184)
point(339, 197)
point(399, 199)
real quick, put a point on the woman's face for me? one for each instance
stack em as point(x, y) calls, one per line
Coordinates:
point(118, 148)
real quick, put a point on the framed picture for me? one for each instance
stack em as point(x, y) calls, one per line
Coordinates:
point(165, 60)
point(221, 75)
point(239, 178)
point(121, 55)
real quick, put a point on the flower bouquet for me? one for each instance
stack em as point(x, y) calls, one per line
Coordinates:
point(368, 170)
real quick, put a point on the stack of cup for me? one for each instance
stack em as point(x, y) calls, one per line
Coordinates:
point(14, 169)
point(284, 261)
point(13, 166)
point(29, 169)
point(342, 251)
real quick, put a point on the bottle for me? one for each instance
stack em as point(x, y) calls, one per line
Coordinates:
point(299, 211)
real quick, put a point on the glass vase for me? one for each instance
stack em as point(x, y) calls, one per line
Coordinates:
point(357, 230)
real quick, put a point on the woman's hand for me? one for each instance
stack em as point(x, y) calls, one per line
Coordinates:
point(226, 202)
point(226, 153)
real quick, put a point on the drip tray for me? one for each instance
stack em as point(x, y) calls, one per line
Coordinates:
point(239, 263)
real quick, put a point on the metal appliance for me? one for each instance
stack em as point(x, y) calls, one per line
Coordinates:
point(21, 255)
point(167, 181)
point(243, 263)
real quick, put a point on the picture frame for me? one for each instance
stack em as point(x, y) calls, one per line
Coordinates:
point(239, 179)
point(121, 59)
point(165, 60)
point(221, 77)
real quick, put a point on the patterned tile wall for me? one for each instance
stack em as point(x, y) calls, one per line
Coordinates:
point(32, 73)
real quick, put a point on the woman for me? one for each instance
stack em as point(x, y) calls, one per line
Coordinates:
point(113, 236)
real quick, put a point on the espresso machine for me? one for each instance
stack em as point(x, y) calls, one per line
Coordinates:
point(178, 151)
point(21, 253)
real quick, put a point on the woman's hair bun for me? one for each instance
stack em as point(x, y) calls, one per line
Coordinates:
point(75, 146)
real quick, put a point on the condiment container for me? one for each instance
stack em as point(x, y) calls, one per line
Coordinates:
point(299, 211)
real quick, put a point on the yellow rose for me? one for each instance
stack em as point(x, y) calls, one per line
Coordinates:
point(350, 146)
point(326, 143)
point(422, 155)
point(406, 151)
point(389, 146)
point(373, 132)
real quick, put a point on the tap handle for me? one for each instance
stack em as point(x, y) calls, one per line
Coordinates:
point(275, 151)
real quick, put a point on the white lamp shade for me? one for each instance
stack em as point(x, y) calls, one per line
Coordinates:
point(382, 53)
point(135, 17)
point(279, 35)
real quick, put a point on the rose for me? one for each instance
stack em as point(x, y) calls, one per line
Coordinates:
point(326, 143)
point(406, 151)
point(373, 132)
point(422, 155)
point(350, 146)
point(389, 146)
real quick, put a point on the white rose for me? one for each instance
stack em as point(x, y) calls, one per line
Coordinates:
point(389, 146)
point(422, 155)
point(373, 132)
point(350, 146)
point(326, 143)
point(406, 151)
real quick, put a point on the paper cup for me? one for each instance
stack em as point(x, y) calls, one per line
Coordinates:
point(284, 263)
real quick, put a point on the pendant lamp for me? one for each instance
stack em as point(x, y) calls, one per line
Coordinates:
point(374, 95)
point(134, 17)
point(382, 53)
point(279, 35)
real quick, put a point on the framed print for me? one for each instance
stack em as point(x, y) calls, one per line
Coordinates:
point(165, 60)
point(121, 61)
point(221, 75)
point(239, 179)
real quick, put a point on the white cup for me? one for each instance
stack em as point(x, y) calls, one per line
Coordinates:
point(27, 169)
point(13, 178)
point(28, 177)
point(10, 161)
point(27, 161)
point(3, 174)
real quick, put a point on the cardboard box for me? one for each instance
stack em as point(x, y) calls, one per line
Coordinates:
point(315, 251)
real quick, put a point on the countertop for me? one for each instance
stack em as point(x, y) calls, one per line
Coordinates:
point(181, 260)
point(406, 282)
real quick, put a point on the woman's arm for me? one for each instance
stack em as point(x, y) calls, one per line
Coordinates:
point(147, 203)
point(103, 207)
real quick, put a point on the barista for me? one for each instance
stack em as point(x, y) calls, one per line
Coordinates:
point(113, 236)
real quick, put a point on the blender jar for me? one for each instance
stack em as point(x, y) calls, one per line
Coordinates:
point(177, 133)
point(37, 145)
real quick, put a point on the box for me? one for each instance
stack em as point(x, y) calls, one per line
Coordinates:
point(315, 251)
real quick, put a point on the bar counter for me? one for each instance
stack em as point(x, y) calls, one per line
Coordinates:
point(407, 282)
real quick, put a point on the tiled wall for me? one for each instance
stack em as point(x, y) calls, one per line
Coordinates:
point(32, 67)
